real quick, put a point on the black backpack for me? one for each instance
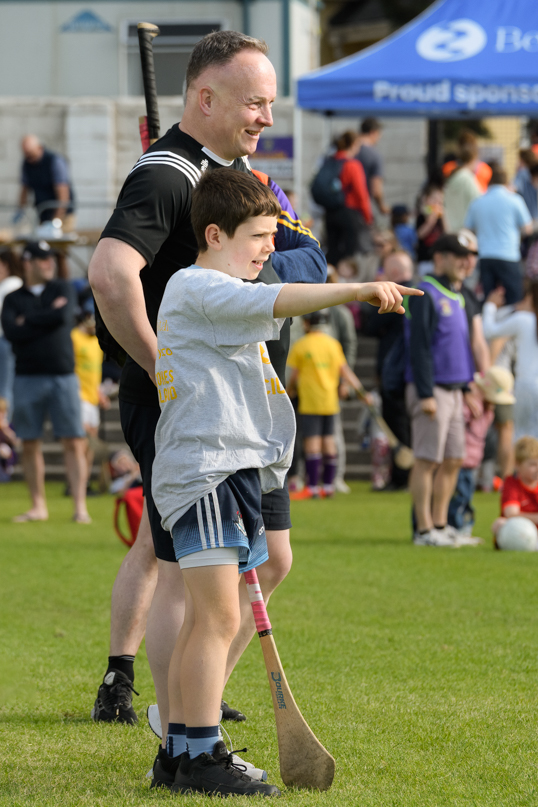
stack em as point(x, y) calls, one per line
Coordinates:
point(326, 187)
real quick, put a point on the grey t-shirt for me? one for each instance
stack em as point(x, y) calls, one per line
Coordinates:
point(222, 406)
point(372, 164)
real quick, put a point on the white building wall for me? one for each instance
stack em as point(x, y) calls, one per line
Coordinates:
point(37, 58)
point(304, 51)
point(99, 136)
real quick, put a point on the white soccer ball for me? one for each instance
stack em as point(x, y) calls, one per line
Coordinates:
point(518, 534)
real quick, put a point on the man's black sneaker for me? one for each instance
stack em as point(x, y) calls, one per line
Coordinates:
point(229, 713)
point(164, 770)
point(114, 700)
point(216, 774)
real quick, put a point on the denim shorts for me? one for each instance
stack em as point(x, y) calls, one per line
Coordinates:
point(36, 396)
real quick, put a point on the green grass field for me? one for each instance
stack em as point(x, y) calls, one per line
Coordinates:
point(416, 667)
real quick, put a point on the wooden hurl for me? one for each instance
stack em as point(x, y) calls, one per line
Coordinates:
point(304, 762)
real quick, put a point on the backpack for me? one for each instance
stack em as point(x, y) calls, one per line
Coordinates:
point(326, 187)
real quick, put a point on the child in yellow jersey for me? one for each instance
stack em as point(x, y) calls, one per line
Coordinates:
point(318, 363)
point(89, 369)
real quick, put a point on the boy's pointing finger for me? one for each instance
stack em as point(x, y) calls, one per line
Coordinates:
point(409, 292)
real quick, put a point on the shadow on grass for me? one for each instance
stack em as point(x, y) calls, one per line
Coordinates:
point(356, 541)
point(37, 720)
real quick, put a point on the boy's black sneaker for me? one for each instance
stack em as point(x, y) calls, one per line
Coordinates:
point(114, 700)
point(164, 770)
point(216, 774)
point(229, 713)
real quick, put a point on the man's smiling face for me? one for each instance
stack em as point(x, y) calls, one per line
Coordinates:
point(243, 92)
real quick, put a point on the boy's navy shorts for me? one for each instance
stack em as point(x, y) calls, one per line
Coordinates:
point(230, 515)
point(317, 425)
point(139, 424)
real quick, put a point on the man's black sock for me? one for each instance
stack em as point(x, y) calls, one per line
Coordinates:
point(124, 664)
point(439, 526)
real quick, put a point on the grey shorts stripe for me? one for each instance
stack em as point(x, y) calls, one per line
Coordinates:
point(201, 527)
point(209, 522)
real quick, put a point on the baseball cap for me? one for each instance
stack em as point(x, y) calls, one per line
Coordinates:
point(452, 243)
point(400, 210)
point(497, 384)
point(37, 249)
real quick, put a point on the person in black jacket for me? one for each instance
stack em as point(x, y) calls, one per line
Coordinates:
point(37, 319)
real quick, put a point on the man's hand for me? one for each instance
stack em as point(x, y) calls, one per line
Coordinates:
point(20, 320)
point(386, 296)
point(59, 302)
point(429, 406)
point(497, 296)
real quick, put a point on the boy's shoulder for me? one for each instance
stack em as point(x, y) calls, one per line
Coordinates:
point(195, 279)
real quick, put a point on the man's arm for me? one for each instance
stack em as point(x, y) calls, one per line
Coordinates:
point(291, 387)
point(60, 183)
point(479, 345)
point(114, 275)
point(23, 196)
point(61, 193)
point(298, 257)
point(376, 184)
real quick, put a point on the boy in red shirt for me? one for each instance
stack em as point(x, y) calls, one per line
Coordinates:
point(520, 492)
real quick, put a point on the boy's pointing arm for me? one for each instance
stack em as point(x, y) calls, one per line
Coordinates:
point(296, 299)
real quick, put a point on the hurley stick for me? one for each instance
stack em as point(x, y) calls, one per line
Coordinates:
point(149, 124)
point(304, 762)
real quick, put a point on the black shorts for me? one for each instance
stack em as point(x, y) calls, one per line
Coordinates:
point(317, 425)
point(139, 424)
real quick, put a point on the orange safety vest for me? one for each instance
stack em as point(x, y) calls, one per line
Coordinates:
point(482, 173)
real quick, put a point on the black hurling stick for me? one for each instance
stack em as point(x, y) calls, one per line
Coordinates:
point(149, 124)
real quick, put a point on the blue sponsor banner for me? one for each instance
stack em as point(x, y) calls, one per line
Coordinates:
point(457, 58)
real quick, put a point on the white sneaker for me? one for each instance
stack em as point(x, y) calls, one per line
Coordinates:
point(154, 720)
point(462, 537)
point(434, 538)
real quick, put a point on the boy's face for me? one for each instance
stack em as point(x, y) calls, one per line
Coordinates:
point(528, 472)
point(244, 254)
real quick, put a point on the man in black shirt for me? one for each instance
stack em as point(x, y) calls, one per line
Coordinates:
point(37, 319)
point(230, 89)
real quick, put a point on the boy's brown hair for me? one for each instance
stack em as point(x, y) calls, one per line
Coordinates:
point(526, 448)
point(228, 198)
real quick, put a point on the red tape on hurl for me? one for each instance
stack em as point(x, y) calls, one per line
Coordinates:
point(256, 600)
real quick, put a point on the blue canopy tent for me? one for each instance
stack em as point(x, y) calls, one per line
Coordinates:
point(460, 58)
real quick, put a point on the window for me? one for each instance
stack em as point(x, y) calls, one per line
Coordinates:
point(171, 52)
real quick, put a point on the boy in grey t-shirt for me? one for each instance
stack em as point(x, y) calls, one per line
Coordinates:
point(225, 435)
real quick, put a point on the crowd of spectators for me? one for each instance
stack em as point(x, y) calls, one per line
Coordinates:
point(435, 369)
point(445, 371)
point(51, 369)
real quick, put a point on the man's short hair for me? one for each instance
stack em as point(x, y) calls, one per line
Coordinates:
point(526, 448)
point(370, 125)
point(498, 176)
point(228, 198)
point(219, 48)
